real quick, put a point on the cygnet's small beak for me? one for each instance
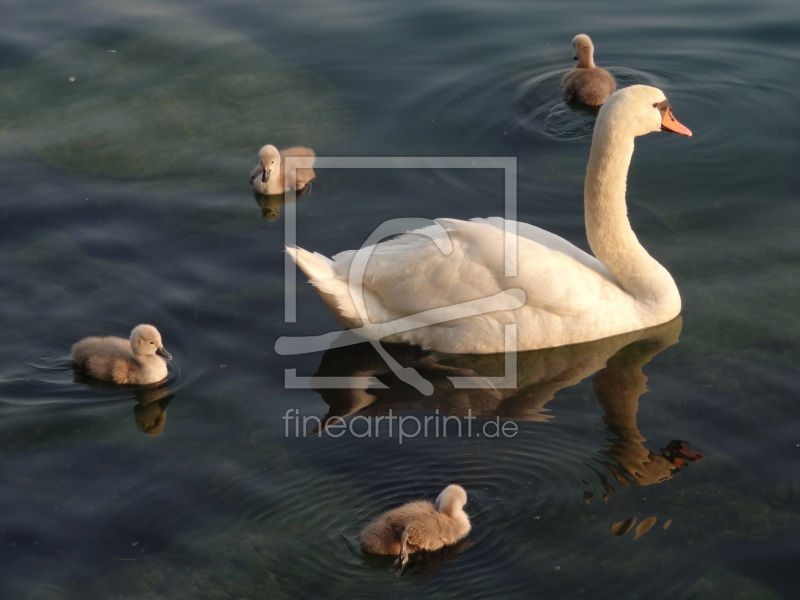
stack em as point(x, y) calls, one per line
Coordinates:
point(163, 352)
point(265, 175)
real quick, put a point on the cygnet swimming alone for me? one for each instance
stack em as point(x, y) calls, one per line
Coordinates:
point(587, 83)
point(271, 177)
point(137, 360)
point(419, 525)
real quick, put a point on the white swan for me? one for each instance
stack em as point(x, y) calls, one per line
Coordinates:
point(587, 83)
point(459, 302)
point(419, 525)
point(270, 175)
point(137, 360)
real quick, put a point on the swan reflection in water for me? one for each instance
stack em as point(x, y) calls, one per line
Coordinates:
point(615, 365)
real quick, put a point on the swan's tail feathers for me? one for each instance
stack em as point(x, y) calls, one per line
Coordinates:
point(313, 264)
point(331, 288)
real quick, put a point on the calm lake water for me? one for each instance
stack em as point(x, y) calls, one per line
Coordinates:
point(658, 465)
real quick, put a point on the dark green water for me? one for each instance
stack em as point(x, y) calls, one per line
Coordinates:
point(127, 133)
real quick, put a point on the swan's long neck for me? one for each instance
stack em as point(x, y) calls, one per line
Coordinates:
point(607, 226)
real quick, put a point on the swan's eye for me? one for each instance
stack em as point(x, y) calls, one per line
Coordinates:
point(662, 106)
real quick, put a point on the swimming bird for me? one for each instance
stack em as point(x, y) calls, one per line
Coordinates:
point(419, 525)
point(587, 83)
point(138, 360)
point(453, 287)
point(270, 176)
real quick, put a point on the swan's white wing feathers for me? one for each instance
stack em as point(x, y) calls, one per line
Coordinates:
point(552, 241)
point(409, 274)
point(446, 284)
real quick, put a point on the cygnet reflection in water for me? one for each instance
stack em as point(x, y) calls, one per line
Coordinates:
point(150, 410)
point(272, 206)
point(616, 364)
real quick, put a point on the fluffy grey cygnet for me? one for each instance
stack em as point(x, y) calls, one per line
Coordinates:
point(270, 176)
point(419, 525)
point(138, 360)
point(587, 83)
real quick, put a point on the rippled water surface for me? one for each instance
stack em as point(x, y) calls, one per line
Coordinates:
point(662, 464)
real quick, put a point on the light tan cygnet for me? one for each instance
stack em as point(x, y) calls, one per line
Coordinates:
point(137, 360)
point(270, 176)
point(419, 525)
point(587, 83)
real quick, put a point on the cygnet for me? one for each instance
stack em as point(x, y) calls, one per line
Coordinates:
point(138, 360)
point(270, 176)
point(587, 83)
point(419, 525)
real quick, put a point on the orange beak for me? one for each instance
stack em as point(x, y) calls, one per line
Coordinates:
point(670, 123)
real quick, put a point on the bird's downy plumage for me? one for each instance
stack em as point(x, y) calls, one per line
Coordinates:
point(419, 525)
point(272, 175)
point(586, 83)
point(140, 360)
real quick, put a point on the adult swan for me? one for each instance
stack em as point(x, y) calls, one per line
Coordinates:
point(446, 287)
